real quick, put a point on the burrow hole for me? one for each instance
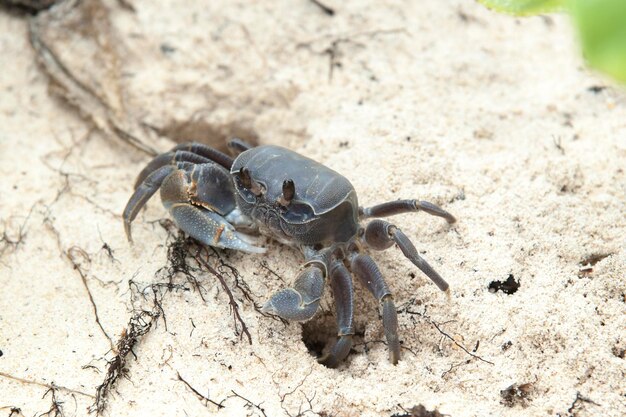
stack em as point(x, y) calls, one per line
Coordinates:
point(320, 333)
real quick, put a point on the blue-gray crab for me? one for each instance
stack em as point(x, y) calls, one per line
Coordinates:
point(270, 190)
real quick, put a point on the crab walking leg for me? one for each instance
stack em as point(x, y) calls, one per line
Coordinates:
point(300, 302)
point(238, 146)
point(169, 158)
point(142, 194)
point(405, 206)
point(367, 271)
point(341, 283)
point(203, 225)
point(380, 235)
point(207, 152)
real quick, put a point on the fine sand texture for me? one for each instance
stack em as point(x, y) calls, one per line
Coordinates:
point(494, 118)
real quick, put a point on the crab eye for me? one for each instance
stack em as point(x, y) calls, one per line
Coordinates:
point(249, 183)
point(245, 178)
point(289, 191)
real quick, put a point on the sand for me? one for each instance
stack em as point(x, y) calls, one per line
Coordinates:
point(494, 118)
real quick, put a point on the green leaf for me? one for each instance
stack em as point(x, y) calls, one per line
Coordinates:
point(524, 7)
point(602, 29)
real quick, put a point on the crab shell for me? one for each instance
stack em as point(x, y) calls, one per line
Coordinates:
point(324, 209)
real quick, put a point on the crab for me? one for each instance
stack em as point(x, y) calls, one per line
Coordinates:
point(273, 191)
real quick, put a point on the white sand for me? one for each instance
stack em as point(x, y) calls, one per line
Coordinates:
point(487, 115)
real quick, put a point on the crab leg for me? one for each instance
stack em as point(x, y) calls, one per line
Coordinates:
point(300, 302)
point(367, 271)
point(341, 282)
point(207, 152)
point(405, 206)
point(146, 188)
point(169, 158)
point(142, 194)
point(380, 235)
point(238, 146)
point(196, 153)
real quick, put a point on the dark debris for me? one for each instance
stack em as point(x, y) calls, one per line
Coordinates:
point(327, 10)
point(586, 265)
point(28, 6)
point(596, 89)
point(419, 411)
point(516, 394)
point(509, 286)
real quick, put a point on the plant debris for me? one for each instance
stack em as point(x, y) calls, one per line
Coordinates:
point(139, 325)
point(56, 408)
point(577, 404)
point(206, 399)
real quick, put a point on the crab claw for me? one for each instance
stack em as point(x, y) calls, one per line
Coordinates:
point(212, 229)
point(203, 224)
point(300, 302)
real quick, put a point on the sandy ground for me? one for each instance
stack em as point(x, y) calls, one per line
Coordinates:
point(494, 118)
